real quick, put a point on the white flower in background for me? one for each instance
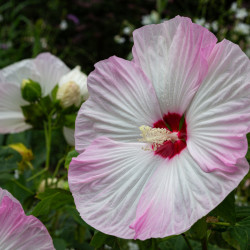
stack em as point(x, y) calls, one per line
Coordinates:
point(215, 26)
point(69, 135)
point(200, 21)
point(127, 30)
point(234, 6)
point(241, 13)
point(72, 88)
point(146, 20)
point(63, 25)
point(119, 39)
point(242, 28)
point(154, 17)
point(45, 69)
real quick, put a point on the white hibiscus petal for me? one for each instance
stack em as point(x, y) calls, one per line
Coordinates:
point(179, 193)
point(11, 116)
point(174, 57)
point(218, 117)
point(15, 73)
point(50, 69)
point(69, 135)
point(121, 100)
point(19, 231)
point(106, 181)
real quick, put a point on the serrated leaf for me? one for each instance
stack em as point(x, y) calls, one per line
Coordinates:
point(69, 157)
point(226, 209)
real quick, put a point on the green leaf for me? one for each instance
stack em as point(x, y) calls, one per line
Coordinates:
point(8, 159)
point(199, 229)
point(31, 90)
point(70, 120)
point(248, 152)
point(69, 157)
point(242, 212)
point(226, 209)
point(52, 199)
point(54, 92)
point(238, 236)
point(34, 115)
point(59, 244)
point(99, 239)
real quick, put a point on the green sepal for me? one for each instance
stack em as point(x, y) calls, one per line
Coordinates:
point(31, 90)
point(69, 157)
point(69, 120)
point(54, 93)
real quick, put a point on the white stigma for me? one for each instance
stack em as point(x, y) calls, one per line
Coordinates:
point(157, 136)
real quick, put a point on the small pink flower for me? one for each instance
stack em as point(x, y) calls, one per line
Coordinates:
point(144, 170)
point(19, 231)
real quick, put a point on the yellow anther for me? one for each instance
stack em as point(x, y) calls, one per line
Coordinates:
point(156, 136)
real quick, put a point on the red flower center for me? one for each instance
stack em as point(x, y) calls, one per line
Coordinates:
point(175, 123)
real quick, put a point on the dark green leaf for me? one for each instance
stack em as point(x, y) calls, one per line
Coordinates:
point(226, 209)
point(199, 229)
point(99, 239)
point(238, 236)
point(54, 92)
point(8, 159)
point(52, 199)
point(70, 120)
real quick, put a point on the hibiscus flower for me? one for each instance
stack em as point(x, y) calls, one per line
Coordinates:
point(48, 71)
point(19, 231)
point(162, 138)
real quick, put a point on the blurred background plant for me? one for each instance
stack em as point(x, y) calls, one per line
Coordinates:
point(83, 32)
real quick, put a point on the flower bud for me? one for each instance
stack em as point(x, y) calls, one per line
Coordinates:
point(69, 94)
point(31, 91)
point(27, 155)
point(72, 88)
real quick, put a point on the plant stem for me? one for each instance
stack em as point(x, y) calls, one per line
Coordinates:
point(58, 166)
point(37, 174)
point(220, 223)
point(187, 241)
point(204, 243)
point(23, 187)
point(47, 131)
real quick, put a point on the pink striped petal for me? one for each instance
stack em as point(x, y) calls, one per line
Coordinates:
point(19, 231)
point(179, 193)
point(218, 118)
point(174, 56)
point(107, 180)
point(121, 100)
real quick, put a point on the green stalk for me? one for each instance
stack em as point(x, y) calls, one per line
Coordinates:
point(47, 131)
point(187, 241)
